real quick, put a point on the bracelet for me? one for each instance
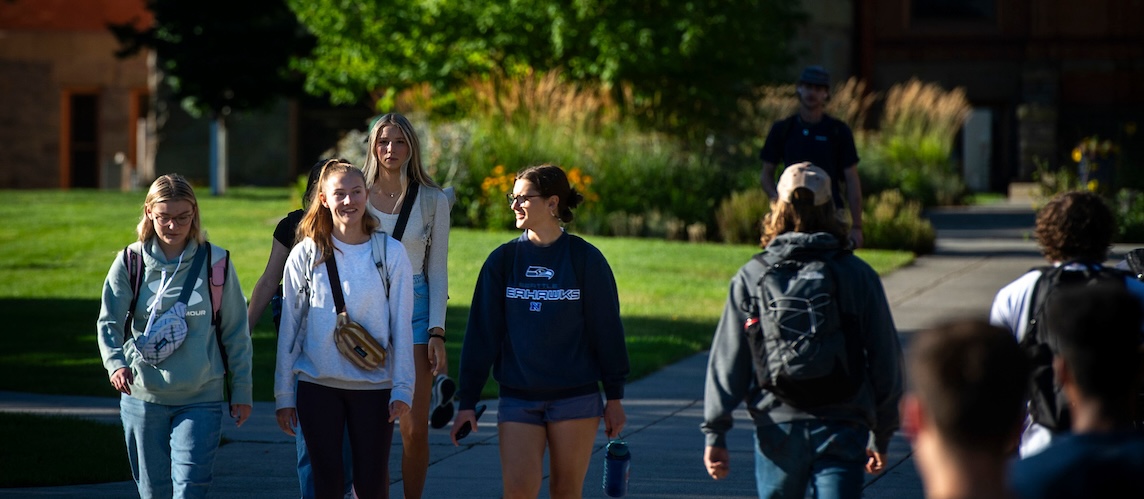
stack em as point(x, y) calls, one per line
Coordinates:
point(437, 335)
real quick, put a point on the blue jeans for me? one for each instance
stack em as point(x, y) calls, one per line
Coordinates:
point(171, 448)
point(420, 310)
point(306, 475)
point(827, 456)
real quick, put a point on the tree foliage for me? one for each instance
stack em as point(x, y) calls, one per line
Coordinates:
point(677, 64)
point(219, 56)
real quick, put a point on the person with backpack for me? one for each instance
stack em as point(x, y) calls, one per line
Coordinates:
point(345, 348)
point(268, 291)
point(810, 135)
point(1074, 230)
point(173, 358)
point(1098, 362)
point(415, 211)
point(545, 318)
point(807, 340)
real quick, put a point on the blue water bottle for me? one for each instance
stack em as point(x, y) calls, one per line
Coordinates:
point(617, 466)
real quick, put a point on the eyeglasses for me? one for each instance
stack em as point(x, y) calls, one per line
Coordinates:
point(513, 199)
point(165, 219)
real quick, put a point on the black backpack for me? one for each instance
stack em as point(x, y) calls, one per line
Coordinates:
point(1135, 260)
point(797, 335)
point(1047, 403)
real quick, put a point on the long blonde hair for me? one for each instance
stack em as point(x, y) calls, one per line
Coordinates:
point(801, 215)
point(318, 222)
point(413, 168)
point(170, 187)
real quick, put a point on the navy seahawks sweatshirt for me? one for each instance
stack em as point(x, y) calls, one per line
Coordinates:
point(544, 334)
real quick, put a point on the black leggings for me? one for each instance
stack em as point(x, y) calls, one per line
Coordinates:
point(324, 414)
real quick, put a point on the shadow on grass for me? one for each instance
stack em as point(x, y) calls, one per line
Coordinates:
point(42, 451)
point(50, 344)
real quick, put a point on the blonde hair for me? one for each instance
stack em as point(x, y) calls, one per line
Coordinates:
point(801, 215)
point(318, 223)
point(413, 168)
point(167, 188)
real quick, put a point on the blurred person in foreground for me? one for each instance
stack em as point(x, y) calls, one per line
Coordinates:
point(964, 408)
point(1099, 369)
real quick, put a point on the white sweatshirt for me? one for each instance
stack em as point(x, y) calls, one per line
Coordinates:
point(306, 349)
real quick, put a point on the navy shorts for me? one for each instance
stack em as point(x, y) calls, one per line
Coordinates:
point(540, 412)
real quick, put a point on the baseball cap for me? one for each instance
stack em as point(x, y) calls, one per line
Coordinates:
point(815, 75)
point(807, 176)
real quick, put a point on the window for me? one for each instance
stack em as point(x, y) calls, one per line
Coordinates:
point(953, 10)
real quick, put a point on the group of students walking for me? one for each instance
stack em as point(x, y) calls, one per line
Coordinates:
point(360, 315)
point(806, 340)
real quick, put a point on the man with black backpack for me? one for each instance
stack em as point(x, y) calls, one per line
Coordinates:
point(813, 136)
point(808, 341)
point(1075, 231)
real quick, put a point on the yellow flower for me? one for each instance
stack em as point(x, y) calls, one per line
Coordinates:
point(1077, 155)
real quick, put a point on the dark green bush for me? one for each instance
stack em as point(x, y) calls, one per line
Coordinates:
point(891, 222)
point(740, 216)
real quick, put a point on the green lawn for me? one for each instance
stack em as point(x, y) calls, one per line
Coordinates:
point(56, 247)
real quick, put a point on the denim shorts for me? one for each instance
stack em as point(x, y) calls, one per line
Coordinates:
point(539, 412)
point(420, 310)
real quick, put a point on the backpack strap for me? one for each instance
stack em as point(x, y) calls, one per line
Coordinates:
point(508, 257)
point(133, 261)
point(216, 279)
point(1135, 259)
point(787, 125)
point(1036, 303)
point(579, 248)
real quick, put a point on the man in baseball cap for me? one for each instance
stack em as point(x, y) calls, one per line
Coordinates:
point(804, 176)
point(811, 135)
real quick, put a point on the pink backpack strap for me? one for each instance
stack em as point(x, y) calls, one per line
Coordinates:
point(217, 279)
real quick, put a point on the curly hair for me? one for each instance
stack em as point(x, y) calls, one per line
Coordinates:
point(800, 215)
point(1075, 225)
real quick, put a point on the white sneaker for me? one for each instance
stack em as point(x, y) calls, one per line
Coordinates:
point(441, 401)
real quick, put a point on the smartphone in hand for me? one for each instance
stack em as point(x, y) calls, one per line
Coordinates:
point(466, 428)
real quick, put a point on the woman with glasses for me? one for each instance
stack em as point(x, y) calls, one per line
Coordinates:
point(338, 267)
point(171, 407)
point(545, 318)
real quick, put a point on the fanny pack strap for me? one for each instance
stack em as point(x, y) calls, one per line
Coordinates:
point(335, 284)
point(196, 267)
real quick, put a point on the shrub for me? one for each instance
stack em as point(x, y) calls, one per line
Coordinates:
point(1129, 208)
point(739, 216)
point(911, 150)
point(538, 118)
point(891, 222)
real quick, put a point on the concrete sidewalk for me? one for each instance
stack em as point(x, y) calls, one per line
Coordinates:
point(979, 250)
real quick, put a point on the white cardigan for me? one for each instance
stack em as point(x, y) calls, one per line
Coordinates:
point(418, 234)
